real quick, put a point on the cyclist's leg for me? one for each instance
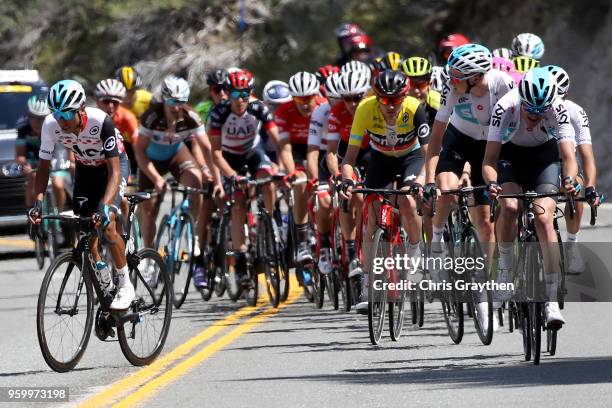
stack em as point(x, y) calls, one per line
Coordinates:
point(575, 262)
point(261, 166)
point(300, 206)
point(57, 183)
point(149, 209)
point(480, 213)
point(323, 219)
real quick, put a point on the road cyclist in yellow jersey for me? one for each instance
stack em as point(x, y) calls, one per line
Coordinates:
point(136, 99)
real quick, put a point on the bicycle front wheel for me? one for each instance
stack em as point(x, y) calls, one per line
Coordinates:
point(473, 250)
point(377, 303)
point(269, 257)
point(143, 330)
point(64, 315)
point(182, 255)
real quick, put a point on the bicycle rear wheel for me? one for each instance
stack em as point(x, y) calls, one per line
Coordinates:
point(535, 313)
point(64, 314)
point(397, 303)
point(472, 249)
point(377, 303)
point(268, 257)
point(143, 333)
point(182, 253)
point(452, 306)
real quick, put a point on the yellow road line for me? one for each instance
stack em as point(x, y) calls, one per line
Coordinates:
point(149, 389)
point(20, 243)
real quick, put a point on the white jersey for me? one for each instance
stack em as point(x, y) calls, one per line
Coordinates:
point(470, 114)
point(580, 122)
point(317, 131)
point(97, 140)
point(506, 123)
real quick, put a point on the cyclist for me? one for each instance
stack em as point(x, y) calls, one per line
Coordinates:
point(161, 147)
point(293, 120)
point(27, 147)
point(390, 60)
point(438, 77)
point(136, 99)
point(109, 95)
point(531, 122)
point(448, 43)
point(234, 132)
point(317, 169)
point(588, 174)
point(322, 73)
point(217, 90)
point(460, 128)
point(100, 176)
point(419, 71)
point(507, 66)
point(354, 43)
point(275, 93)
point(522, 63)
point(353, 88)
point(528, 45)
point(396, 125)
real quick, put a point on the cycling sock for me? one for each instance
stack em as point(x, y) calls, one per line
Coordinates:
point(414, 250)
point(572, 237)
point(325, 241)
point(351, 249)
point(506, 254)
point(302, 232)
point(123, 277)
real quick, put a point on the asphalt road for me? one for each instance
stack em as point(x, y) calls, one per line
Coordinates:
point(224, 354)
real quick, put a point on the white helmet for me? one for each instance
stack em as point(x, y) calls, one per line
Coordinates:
point(174, 87)
point(38, 106)
point(276, 92)
point(562, 78)
point(65, 96)
point(438, 78)
point(470, 59)
point(303, 84)
point(503, 53)
point(528, 45)
point(332, 85)
point(354, 66)
point(354, 83)
point(110, 88)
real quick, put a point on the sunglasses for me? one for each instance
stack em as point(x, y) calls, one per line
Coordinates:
point(455, 79)
point(174, 102)
point(304, 100)
point(386, 101)
point(240, 94)
point(535, 111)
point(352, 98)
point(109, 101)
point(218, 88)
point(419, 83)
point(69, 115)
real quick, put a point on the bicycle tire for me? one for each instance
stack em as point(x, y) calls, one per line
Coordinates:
point(207, 292)
point(551, 341)
point(39, 251)
point(318, 287)
point(473, 250)
point(535, 309)
point(452, 306)
point(164, 301)
point(376, 309)
point(268, 258)
point(182, 280)
point(74, 267)
point(397, 305)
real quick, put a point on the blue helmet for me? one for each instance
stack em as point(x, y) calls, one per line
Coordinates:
point(563, 80)
point(65, 96)
point(538, 89)
point(470, 59)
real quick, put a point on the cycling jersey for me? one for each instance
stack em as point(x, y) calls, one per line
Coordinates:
point(340, 123)
point(409, 132)
point(470, 114)
point(580, 121)
point(506, 123)
point(203, 108)
point(31, 142)
point(126, 123)
point(317, 131)
point(142, 100)
point(432, 104)
point(97, 139)
point(292, 125)
point(164, 144)
point(240, 134)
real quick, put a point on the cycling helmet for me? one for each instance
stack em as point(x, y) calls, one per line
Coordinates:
point(562, 78)
point(391, 84)
point(528, 45)
point(174, 87)
point(357, 42)
point(438, 78)
point(129, 77)
point(65, 96)
point(110, 88)
point(354, 66)
point(503, 64)
point(276, 92)
point(417, 67)
point(241, 79)
point(503, 53)
point(37, 106)
point(523, 64)
point(390, 60)
point(303, 84)
point(325, 71)
point(470, 59)
point(332, 85)
point(231, 70)
point(538, 89)
point(354, 83)
point(450, 42)
point(216, 77)
point(347, 29)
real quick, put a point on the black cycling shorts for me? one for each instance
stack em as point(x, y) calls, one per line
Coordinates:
point(383, 169)
point(256, 160)
point(458, 148)
point(90, 186)
point(535, 168)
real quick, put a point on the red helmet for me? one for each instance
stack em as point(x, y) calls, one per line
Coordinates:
point(241, 79)
point(347, 29)
point(358, 42)
point(325, 71)
point(452, 40)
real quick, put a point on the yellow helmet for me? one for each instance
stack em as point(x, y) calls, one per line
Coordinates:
point(524, 64)
point(129, 77)
point(390, 60)
point(417, 67)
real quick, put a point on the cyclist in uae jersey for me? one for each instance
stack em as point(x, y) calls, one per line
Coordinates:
point(234, 132)
point(531, 122)
point(293, 120)
point(587, 168)
point(164, 129)
point(396, 125)
point(100, 175)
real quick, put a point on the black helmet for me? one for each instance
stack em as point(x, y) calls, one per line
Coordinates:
point(390, 83)
point(216, 77)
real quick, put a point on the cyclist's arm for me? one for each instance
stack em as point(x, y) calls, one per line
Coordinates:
point(283, 150)
point(312, 161)
point(568, 159)
point(42, 178)
point(331, 157)
point(352, 152)
point(433, 150)
point(566, 139)
point(489, 163)
point(423, 132)
point(111, 153)
point(48, 139)
point(143, 161)
point(588, 164)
